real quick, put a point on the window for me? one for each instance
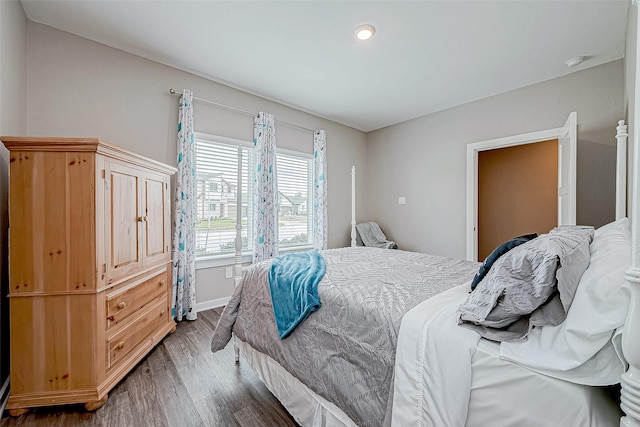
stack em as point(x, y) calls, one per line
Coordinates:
point(217, 175)
point(216, 184)
point(295, 192)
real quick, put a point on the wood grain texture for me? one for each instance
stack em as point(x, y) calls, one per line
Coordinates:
point(67, 367)
point(51, 198)
point(76, 234)
point(94, 145)
point(154, 216)
point(94, 405)
point(124, 220)
point(126, 300)
point(179, 383)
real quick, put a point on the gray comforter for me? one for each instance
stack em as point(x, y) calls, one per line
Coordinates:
point(345, 351)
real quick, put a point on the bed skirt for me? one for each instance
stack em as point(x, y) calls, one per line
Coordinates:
point(305, 406)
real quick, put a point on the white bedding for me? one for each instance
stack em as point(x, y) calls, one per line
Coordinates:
point(505, 394)
point(446, 376)
point(433, 364)
point(581, 349)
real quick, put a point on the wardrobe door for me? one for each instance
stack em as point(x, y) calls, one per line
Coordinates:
point(123, 220)
point(156, 219)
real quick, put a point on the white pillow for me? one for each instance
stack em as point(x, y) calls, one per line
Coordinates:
point(572, 349)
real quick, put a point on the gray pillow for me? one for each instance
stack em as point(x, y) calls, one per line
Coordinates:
point(497, 253)
point(533, 284)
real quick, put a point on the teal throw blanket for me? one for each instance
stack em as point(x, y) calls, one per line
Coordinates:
point(293, 282)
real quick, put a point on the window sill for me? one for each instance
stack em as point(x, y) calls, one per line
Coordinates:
point(214, 261)
point(296, 249)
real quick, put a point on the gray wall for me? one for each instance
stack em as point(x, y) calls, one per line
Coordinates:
point(629, 89)
point(81, 88)
point(424, 159)
point(13, 120)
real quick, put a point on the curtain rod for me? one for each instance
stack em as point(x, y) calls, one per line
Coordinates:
point(237, 110)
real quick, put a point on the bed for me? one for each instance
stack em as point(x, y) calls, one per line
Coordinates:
point(387, 346)
point(351, 340)
point(386, 349)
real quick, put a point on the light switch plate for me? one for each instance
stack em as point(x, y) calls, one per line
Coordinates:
point(229, 272)
point(401, 200)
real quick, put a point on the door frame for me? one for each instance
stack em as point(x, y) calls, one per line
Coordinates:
point(473, 149)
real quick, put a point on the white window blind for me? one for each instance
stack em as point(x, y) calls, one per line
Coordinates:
point(295, 218)
point(216, 177)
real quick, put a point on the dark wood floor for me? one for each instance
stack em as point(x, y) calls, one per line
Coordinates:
point(180, 383)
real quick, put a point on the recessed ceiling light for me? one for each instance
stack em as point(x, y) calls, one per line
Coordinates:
point(574, 62)
point(365, 32)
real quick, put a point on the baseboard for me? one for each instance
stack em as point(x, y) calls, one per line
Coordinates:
point(214, 303)
point(4, 395)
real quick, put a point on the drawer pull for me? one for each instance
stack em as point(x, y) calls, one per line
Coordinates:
point(111, 318)
point(161, 283)
point(121, 305)
point(120, 346)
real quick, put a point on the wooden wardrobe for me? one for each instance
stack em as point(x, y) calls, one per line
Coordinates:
point(89, 267)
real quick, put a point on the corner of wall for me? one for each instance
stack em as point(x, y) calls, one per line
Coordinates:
point(13, 92)
point(630, 89)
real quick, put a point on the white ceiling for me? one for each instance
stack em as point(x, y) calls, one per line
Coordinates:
point(426, 56)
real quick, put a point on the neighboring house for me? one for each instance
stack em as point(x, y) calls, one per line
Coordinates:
point(216, 196)
point(292, 205)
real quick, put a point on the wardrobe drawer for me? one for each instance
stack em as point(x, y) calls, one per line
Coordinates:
point(127, 300)
point(137, 332)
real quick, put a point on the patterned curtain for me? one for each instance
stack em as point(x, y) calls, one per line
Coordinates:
point(265, 212)
point(320, 231)
point(183, 271)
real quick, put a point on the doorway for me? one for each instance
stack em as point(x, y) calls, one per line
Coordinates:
point(566, 137)
point(517, 193)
